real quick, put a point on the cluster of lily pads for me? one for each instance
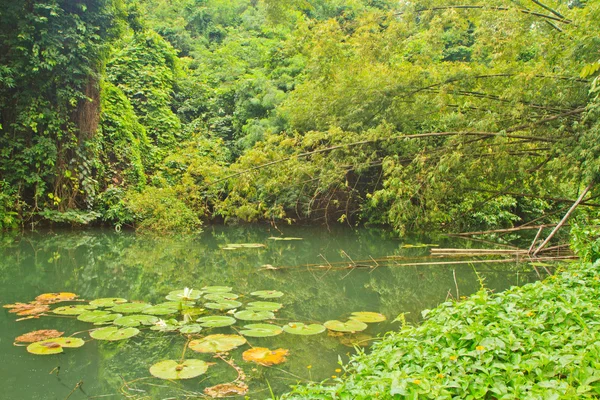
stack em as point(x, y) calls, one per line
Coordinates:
point(185, 311)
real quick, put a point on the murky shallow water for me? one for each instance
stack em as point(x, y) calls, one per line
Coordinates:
point(312, 273)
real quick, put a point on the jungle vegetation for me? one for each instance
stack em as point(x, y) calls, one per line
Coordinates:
point(166, 114)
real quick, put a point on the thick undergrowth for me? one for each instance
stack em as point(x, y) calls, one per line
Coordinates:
point(539, 341)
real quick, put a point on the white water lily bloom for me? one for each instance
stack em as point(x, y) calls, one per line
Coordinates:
point(187, 293)
point(161, 323)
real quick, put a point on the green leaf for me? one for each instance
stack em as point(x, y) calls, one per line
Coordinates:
point(264, 306)
point(223, 305)
point(135, 320)
point(113, 333)
point(98, 317)
point(130, 308)
point(216, 321)
point(251, 315)
point(107, 302)
point(267, 294)
point(171, 369)
point(73, 310)
point(261, 330)
point(298, 328)
point(217, 343)
point(349, 326)
point(367, 316)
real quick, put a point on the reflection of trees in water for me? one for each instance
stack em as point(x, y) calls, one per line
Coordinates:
point(103, 263)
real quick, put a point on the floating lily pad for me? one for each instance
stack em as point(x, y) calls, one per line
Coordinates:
point(349, 326)
point(216, 321)
point(31, 309)
point(223, 305)
point(135, 320)
point(114, 333)
point(98, 317)
point(229, 389)
point(299, 328)
point(217, 289)
point(73, 310)
point(171, 369)
point(54, 346)
point(267, 294)
point(184, 294)
point(284, 239)
point(356, 340)
point(170, 325)
point(264, 356)
point(130, 308)
point(254, 315)
point(51, 298)
point(193, 328)
point(217, 343)
point(107, 302)
point(367, 317)
point(192, 312)
point(160, 310)
point(220, 296)
point(261, 330)
point(38, 336)
point(264, 306)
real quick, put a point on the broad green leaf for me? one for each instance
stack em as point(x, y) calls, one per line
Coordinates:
point(113, 333)
point(349, 326)
point(107, 302)
point(223, 305)
point(73, 310)
point(171, 369)
point(252, 315)
point(98, 317)
point(130, 308)
point(367, 317)
point(217, 343)
point(267, 294)
point(135, 320)
point(217, 289)
point(261, 330)
point(264, 306)
point(299, 328)
point(216, 321)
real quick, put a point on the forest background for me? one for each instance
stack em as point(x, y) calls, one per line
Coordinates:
point(416, 115)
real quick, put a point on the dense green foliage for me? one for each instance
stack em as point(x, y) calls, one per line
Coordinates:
point(413, 115)
point(537, 341)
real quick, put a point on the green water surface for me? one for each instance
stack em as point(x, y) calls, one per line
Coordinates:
point(313, 273)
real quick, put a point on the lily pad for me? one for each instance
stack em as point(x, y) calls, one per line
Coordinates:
point(217, 343)
point(38, 336)
point(223, 305)
point(171, 369)
point(229, 389)
point(254, 315)
point(220, 296)
point(367, 317)
point(54, 346)
point(267, 294)
point(159, 310)
point(107, 302)
point(98, 317)
point(284, 239)
point(299, 328)
point(170, 325)
point(114, 333)
point(216, 321)
point(349, 326)
point(73, 310)
point(184, 294)
point(135, 320)
point(51, 298)
point(193, 328)
point(261, 330)
point(217, 289)
point(264, 306)
point(130, 308)
point(264, 356)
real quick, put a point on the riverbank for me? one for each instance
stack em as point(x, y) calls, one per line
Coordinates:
point(541, 340)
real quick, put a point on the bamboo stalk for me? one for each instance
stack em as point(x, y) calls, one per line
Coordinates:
point(562, 222)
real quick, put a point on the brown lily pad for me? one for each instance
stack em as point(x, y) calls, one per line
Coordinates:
point(27, 308)
point(227, 390)
point(37, 336)
point(51, 298)
point(265, 357)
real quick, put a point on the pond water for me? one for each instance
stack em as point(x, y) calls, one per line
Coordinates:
point(394, 276)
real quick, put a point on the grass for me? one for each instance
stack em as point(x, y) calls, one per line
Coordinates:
point(538, 341)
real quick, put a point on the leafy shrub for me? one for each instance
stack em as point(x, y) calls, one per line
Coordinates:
point(10, 205)
point(539, 341)
point(159, 210)
point(585, 240)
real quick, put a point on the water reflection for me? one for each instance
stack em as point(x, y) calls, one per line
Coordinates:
point(312, 273)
